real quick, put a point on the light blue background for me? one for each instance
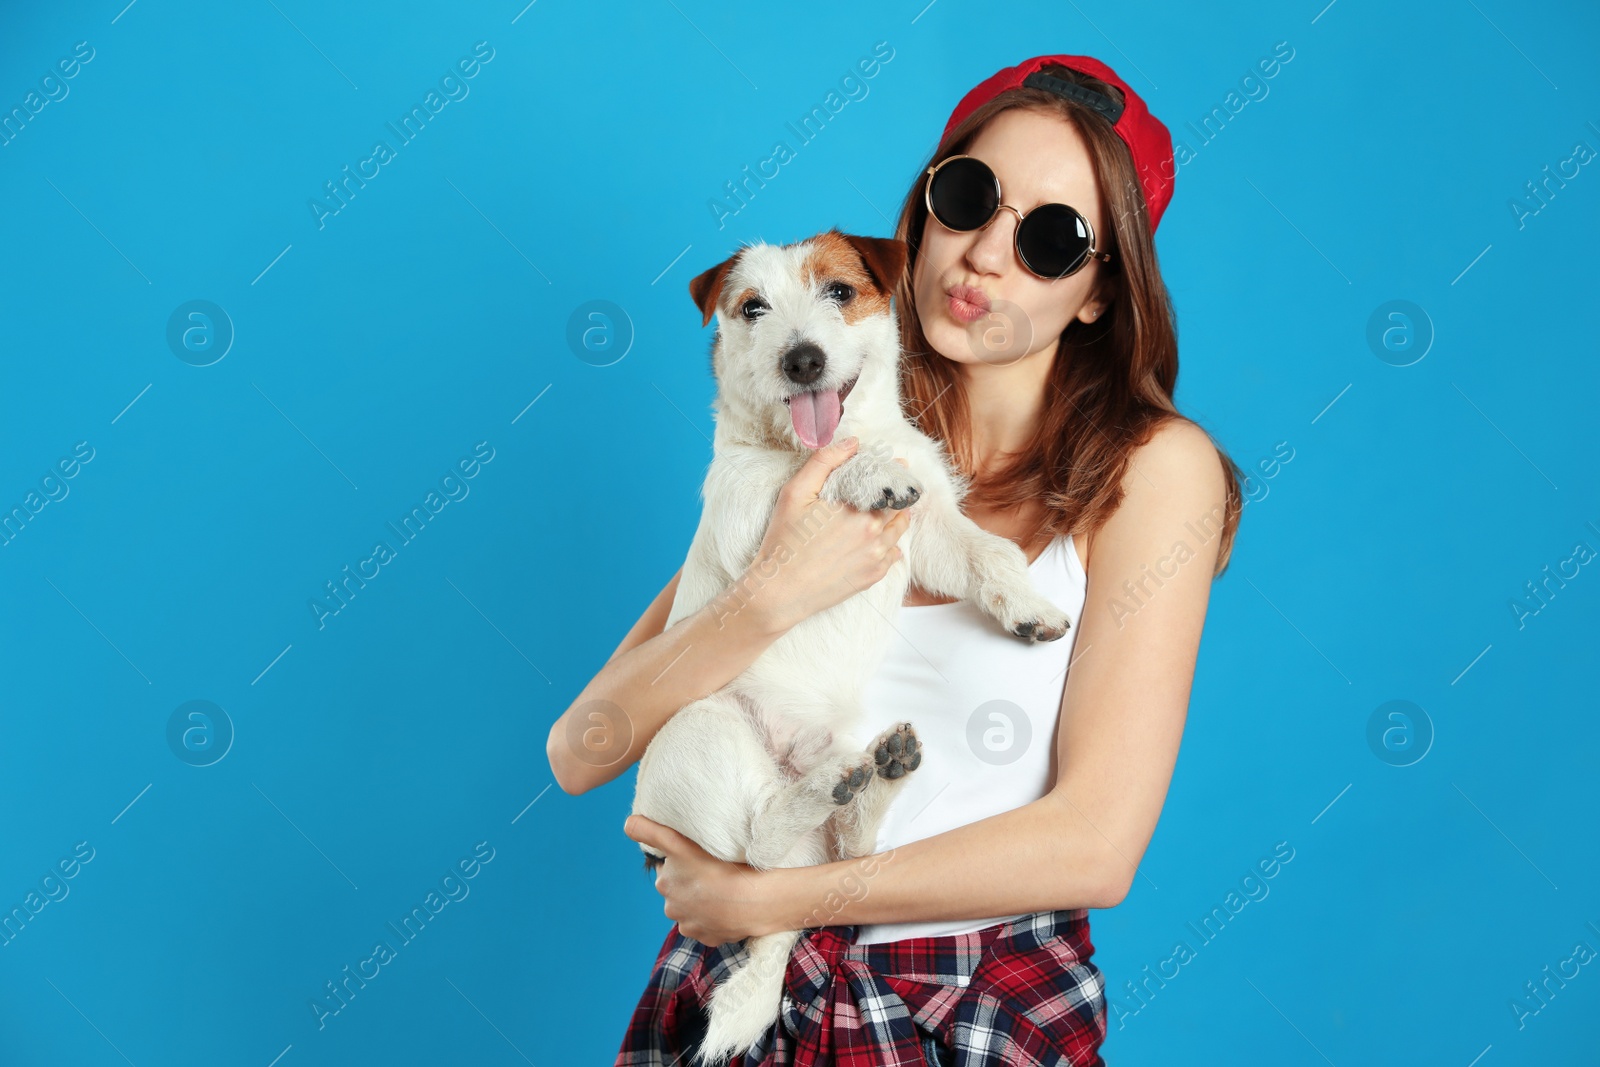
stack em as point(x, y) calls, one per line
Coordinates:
point(431, 311)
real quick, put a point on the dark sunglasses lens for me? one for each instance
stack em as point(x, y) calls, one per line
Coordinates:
point(1053, 240)
point(962, 195)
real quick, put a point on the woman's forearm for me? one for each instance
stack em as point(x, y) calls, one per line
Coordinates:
point(609, 725)
point(1042, 856)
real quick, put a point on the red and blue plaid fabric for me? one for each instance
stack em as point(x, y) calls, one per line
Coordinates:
point(1017, 994)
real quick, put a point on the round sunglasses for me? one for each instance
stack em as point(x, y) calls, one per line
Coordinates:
point(1053, 240)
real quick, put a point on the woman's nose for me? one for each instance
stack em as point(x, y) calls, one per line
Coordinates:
point(991, 246)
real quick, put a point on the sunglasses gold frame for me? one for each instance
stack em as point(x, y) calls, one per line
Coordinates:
point(1016, 234)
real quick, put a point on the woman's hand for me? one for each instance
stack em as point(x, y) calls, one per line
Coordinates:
point(712, 901)
point(817, 554)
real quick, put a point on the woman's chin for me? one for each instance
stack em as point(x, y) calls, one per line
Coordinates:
point(952, 341)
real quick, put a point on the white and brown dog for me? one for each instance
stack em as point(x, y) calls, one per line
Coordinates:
point(772, 769)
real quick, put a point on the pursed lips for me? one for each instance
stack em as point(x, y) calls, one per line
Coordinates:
point(972, 295)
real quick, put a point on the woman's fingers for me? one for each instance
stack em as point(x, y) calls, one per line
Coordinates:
point(807, 481)
point(896, 525)
point(649, 832)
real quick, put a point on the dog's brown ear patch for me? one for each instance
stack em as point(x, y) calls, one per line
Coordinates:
point(885, 258)
point(872, 265)
point(706, 286)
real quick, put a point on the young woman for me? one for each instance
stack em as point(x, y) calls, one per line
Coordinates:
point(1039, 345)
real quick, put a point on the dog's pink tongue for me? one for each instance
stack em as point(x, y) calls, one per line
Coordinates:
point(816, 416)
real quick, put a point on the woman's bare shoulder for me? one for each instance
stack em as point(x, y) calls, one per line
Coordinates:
point(1179, 446)
point(1178, 467)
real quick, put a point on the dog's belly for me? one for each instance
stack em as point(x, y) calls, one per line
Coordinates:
point(804, 691)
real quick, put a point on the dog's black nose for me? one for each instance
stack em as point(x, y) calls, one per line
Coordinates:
point(804, 363)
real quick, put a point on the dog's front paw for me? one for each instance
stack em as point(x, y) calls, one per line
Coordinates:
point(898, 494)
point(1037, 630)
point(897, 752)
point(868, 484)
point(1029, 616)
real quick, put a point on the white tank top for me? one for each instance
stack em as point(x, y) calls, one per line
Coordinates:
point(985, 707)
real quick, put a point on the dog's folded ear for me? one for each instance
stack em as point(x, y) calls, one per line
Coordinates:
point(884, 256)
point(706, 287)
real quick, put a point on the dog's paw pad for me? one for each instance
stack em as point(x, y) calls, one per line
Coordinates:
point(897, 752)
point(898, 491)
point(900, 501)
point(852, 781)
point(1037, 631)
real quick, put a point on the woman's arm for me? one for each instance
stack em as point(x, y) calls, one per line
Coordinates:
point(1121, 720)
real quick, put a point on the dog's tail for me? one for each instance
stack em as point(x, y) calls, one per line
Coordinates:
point(746, 1003)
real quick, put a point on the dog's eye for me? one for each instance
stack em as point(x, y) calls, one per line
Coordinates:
point(752, 308)
point(840, 293)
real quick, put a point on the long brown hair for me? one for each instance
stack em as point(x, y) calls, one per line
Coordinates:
point(1112, 380)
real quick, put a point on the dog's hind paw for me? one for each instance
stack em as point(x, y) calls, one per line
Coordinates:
point(853, 780)
point(897, 752)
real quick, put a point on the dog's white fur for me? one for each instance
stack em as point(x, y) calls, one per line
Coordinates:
point(753, 772)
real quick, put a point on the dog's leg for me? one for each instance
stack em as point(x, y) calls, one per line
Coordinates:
point(747, 1003)
point(788, 811)
point(951, 555)
point(895, 753)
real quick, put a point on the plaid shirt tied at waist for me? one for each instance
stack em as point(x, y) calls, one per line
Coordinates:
point(1018, 994)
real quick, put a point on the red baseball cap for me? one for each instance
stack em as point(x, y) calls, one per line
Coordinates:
point(1148, 141)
